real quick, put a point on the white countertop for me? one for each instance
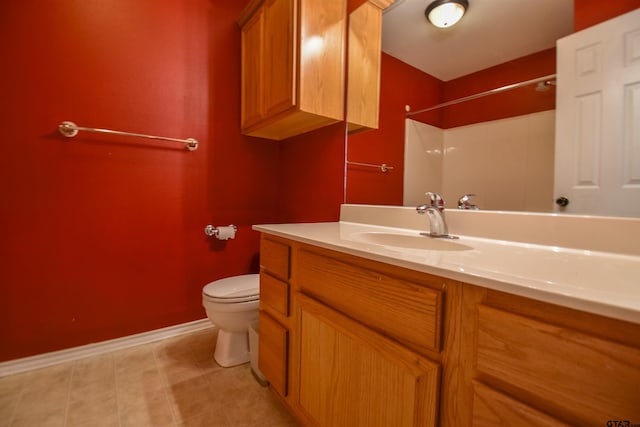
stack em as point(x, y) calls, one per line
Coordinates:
point(597, 282)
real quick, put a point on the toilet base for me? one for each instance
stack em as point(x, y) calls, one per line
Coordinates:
point(232, 348)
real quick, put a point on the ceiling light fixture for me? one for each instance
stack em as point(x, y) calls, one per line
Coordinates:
point(446, 13)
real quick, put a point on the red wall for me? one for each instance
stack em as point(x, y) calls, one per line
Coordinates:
point(592, 12)
point(311, 186)
point(515, 102)
point(400, 85)
point(102, 235)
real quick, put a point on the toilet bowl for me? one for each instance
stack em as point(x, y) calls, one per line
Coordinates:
point(232, 305)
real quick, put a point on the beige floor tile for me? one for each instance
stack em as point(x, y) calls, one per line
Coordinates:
point(42, 402)
point(93, 369)
point(7, 406)
point(208, 419)
point(93, 411)
point(54, 419)
point(147, 418)
point(191, 398)
point(12, 384)
point(51, 377)
point(100, 389)
point(10, 392)
point(133, 359)
point(173, 383)
point(203, 345)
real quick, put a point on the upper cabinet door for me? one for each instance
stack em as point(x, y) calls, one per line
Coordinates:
point(598, 119)
point(293, 66)
point(365, 51)
point(252, 57)
point(279, 62)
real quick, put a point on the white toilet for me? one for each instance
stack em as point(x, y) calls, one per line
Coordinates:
point(232, 305)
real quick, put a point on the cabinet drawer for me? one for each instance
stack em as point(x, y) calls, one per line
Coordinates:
point(491, 408)
point(272, 352)
point(396, 307)
point(274, 293)
point(274, 258)
point(572, 375)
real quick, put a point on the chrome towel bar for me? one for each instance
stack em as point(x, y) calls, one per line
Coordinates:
point(70, 129)
point(383, 167)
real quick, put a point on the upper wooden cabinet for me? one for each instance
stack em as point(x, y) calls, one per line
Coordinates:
point(293, 62)
point(365, 50)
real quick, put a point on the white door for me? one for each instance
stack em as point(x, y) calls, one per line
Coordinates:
point(597, 164)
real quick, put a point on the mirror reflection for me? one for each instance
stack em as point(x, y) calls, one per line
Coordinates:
point(499, 147)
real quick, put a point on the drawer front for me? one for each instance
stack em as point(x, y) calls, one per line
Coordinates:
point(400, 309)
point(272, 352)
point(491, 408)
point(572, 375)
point(274, 293)
point(275, 258)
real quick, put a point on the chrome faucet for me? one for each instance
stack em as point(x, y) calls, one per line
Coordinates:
point(435, 213)
point(464, 202)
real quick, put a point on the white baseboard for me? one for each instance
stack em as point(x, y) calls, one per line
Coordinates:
point(56, 357)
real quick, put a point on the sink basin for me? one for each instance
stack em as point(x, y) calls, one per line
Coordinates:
point(410, 241)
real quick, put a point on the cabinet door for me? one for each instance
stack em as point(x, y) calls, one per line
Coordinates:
point(352, 376)
point(279, 45)
point(363, 90)
point(252, 51)
point(566, 373)
point(272, 352)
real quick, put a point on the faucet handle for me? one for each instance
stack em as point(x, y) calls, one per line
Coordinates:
point(464, 202)
point(435, 200)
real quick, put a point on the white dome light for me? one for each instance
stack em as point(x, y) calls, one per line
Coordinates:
point(446, 13)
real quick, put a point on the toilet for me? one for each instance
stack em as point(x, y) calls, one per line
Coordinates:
point(232, 305)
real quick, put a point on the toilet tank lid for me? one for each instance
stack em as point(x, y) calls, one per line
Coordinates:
point(234, 287)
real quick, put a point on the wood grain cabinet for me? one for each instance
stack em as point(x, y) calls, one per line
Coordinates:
point(363, 332)
point(364, 56)
point(347, 341)
point(293, 66)
point(273, 352)
point(538, 364)
point(352, 376)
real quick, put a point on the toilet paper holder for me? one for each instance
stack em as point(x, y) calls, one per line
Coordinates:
point(222, 232)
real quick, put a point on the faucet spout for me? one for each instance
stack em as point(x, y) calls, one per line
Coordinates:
point(437, 224)
point(435, 213)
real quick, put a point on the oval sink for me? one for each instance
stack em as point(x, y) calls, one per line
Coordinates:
point(409, 241)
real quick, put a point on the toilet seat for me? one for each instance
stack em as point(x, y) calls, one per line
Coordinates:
point(233, 289)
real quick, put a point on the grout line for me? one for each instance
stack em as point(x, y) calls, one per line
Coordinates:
point(115, 386)
point(69, 387)
point(165, 388)
point(19, 399)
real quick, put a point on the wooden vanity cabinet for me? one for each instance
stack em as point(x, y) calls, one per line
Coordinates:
point(352, 376)
point(362, 343)
point(274, 318)
point(538, 364)
point(364, 331)
point(293, 57)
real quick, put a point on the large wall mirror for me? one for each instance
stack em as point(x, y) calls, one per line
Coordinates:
point(499, 146)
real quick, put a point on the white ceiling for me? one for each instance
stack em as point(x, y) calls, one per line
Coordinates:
point(490, 33)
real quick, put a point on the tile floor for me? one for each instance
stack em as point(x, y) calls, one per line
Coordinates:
point(174, 382)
